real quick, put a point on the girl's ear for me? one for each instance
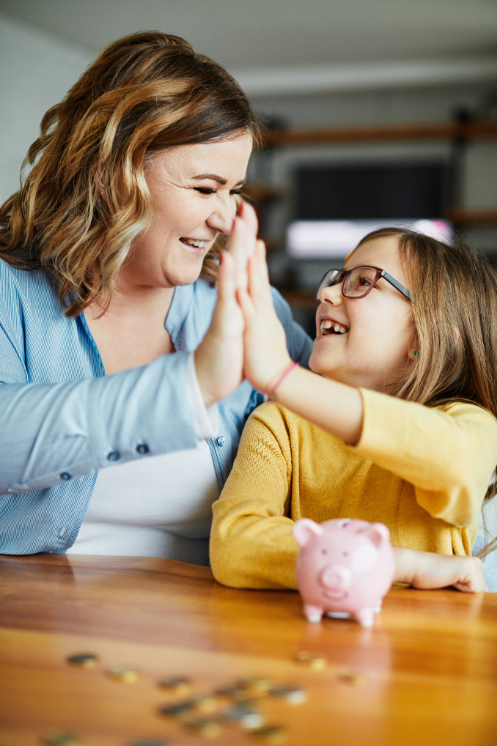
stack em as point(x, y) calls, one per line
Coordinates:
point(305, 530)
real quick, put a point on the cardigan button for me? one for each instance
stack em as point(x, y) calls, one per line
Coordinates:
point(221, 440)
point(142, 448)
point(113, 456)
point(65, 475)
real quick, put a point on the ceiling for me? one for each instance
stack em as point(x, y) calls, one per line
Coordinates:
point(255, 34)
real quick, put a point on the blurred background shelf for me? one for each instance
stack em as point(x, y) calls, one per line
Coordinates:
point(481, 130)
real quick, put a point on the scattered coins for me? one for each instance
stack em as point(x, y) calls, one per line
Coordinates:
point(244, 715)
point(270, 733)
point(124, 675)
point(354, 679)
point(178, 685)
point(204, 727)
point(311, 660)
point(61, 739)
point(294, 695)
point(83, 660)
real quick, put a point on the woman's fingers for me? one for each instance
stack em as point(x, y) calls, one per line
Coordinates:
point(242, 241)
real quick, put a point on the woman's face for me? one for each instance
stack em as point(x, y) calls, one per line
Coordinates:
point(378, 333)
point(193, 188)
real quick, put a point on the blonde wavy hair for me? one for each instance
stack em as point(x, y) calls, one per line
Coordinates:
point(85, 198)
point(454, 309)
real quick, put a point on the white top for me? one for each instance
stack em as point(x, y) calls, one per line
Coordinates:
point(158, 506)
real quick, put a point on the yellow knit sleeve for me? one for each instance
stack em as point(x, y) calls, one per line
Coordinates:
point(448, 453)
point(252, 545)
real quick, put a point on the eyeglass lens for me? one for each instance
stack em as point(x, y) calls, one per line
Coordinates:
point(356, 284)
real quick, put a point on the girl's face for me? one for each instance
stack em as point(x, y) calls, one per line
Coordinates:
point(193, 188)
point(378, 339)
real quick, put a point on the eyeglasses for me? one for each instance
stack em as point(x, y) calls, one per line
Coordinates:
point(358, 282)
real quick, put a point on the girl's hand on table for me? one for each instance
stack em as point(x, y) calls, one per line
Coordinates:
point(429, 570)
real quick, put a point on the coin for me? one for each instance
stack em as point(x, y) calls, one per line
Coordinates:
point(176, 710)
point(205, 728)
point(178, 685)
point(123, 675)
point(84, 660)
point(244, 715)
point(204, 703)
point(311, 660)
point(294, 695)
point(270, 733)
point(354, 679)
point(61, 739)
point(236, 692)
point(259, 684)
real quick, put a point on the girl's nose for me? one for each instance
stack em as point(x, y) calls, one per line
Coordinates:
point(332, 294)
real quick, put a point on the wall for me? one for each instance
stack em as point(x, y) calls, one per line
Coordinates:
point(37, 69)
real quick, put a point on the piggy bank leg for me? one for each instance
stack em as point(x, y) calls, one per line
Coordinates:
point(364, 617)
point(313, 613)
point(338, 614)
point(377, 606)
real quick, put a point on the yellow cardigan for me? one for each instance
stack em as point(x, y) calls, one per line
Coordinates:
point(422, 471)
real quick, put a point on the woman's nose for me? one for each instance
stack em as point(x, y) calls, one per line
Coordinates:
point(221, 219)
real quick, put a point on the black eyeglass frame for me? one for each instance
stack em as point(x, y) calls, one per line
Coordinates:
point(342, 274)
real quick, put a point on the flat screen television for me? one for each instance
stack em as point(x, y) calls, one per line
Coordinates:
point(337, 205)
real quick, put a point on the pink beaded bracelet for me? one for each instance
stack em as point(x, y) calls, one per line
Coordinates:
point(280, 377)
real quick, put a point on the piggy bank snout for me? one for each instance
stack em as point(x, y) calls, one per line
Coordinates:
point(336, 577)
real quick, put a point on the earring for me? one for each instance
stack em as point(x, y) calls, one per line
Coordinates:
point(414, 354)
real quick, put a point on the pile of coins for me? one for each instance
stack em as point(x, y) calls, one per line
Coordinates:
point(235, 704)
point(207, 714)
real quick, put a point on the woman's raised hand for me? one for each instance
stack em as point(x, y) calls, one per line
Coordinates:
point(219, 358)
point(265, 349)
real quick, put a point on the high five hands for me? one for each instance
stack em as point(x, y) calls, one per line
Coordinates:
point(245, 338)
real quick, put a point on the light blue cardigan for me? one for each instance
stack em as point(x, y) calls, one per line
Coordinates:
point(62, 419)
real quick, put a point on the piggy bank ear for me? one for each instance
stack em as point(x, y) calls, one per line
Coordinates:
point(378, 533)
point(305, 530)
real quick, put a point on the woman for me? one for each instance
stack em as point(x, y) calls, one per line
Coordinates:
point(135, 175)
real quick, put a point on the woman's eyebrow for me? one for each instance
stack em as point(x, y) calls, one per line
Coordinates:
point(219, 179)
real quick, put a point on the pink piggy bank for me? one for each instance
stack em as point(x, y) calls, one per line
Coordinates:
point(344, 568)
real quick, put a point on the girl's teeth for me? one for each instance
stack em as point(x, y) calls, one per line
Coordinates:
point(337, 328)
point(197, 244)
point(326, 325)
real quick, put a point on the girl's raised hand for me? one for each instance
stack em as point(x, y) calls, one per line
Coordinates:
point(266, 352)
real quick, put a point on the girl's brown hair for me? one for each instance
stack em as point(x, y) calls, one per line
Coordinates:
point(454, 293)
point(85, 198)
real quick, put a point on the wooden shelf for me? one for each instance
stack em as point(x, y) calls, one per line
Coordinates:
point(259, 192)
point(469, 217)
point(484, 130)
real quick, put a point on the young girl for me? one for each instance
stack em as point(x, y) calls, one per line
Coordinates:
point(396, 423)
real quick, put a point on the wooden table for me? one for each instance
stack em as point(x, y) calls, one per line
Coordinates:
point(428, 666)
